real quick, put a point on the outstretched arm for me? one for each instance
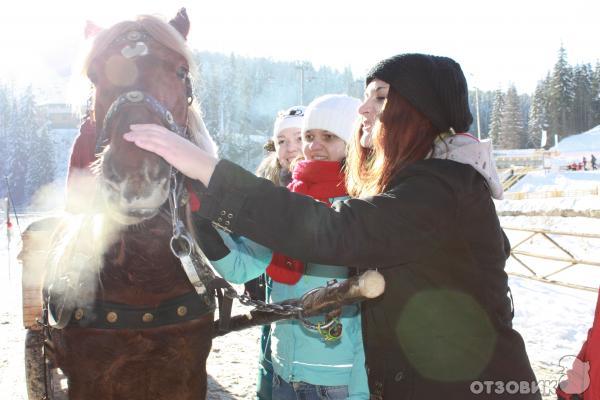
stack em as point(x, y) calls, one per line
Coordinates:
point(394, 228)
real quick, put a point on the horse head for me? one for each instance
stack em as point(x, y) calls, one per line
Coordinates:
point(141, 73)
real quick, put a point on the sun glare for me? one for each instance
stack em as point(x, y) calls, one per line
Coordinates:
point(41, 40)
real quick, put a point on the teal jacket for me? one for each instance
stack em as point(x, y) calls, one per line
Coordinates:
point(299, 354)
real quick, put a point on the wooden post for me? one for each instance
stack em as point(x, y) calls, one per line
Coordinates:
point(318, 302)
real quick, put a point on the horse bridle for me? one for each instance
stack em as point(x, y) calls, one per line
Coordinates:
point(140, 98)
point(135, 45)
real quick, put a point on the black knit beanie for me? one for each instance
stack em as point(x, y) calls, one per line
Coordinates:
point(436, 86)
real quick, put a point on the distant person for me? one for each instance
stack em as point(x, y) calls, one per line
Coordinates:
point(584, 163)
point(593, 161)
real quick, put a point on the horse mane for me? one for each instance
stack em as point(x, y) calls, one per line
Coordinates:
point(168, 36)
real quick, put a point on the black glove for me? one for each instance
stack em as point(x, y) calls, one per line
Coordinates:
point(209, 239)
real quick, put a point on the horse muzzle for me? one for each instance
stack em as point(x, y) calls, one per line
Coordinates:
point(128, 207)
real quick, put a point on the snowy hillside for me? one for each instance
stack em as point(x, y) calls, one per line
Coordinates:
point(584, 142)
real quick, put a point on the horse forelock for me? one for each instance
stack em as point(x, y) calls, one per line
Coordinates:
point(169, 37)
point(159, 30)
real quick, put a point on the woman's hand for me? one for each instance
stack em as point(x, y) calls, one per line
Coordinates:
point(177, 151)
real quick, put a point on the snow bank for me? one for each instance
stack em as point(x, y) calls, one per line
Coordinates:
point(578, 185)
point(540, 181)
point(588, 142)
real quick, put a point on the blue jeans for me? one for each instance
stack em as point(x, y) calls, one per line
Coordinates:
point(283, 390)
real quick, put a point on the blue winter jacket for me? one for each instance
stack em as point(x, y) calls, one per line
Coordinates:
point(299, 354)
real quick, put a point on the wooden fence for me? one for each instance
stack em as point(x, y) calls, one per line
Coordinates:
point(567, 257)
point(552, 193)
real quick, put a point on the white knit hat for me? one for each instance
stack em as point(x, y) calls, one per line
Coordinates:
point(336, 113)
point(290, 118)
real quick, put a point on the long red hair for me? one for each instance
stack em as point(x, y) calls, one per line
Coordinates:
point(403, 135)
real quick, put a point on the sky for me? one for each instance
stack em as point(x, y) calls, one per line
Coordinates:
point(497, 43)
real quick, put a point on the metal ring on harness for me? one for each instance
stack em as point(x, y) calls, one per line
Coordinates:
point(187, 248)
point(329, 331)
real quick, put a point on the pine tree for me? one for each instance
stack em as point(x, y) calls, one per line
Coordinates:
point(537, 117)
point(511, 135)
point(19, 131)
point(241, 96)
point(41, 160)
point(496, 117)
point(561, 96)
point(582, 115)
point(595, 93)
point(4, 134)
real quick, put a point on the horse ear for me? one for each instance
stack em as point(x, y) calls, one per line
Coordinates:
point(91, 29)
point(181, 22)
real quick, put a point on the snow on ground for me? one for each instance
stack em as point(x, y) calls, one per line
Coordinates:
point(553, 320)
point(575, 183)
point(557, 318)
point(231, 365)
point(565, 180)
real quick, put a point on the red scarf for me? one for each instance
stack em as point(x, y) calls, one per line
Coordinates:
point(322, 180)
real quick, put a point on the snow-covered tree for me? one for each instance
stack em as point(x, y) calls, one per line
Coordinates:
point(537, 117)
point(21, 128)
point(511, 135)
point(241, 96)
point(595, 92)
point(561, 96)
point(496, 117)
point(41, 162)
point(582, 115)
point(5, 112)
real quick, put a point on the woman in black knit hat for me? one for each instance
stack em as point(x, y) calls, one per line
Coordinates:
point(423, 216)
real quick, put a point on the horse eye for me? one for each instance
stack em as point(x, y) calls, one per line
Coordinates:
point(182, 72)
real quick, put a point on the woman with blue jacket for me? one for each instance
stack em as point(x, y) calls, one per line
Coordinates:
point(304, 363)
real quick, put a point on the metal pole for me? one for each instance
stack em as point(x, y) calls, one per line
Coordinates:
point(477, 112)
point(7, 203)
point(302, 84)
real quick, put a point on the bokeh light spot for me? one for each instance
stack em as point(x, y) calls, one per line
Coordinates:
point(446, 335)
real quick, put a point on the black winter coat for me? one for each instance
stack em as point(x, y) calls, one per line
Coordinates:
point(443, 327)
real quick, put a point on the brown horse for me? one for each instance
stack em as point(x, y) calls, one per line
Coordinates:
point(133, 326)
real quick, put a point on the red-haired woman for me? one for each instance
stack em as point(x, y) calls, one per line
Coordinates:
point(424, 217)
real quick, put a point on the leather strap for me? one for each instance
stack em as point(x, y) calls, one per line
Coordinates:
point(103, 315)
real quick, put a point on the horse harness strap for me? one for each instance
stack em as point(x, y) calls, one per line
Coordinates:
point(141, 98)
point(103, 315)
point(194, 262)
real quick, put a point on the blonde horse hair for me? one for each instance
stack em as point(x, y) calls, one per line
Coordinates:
point(168, 36)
